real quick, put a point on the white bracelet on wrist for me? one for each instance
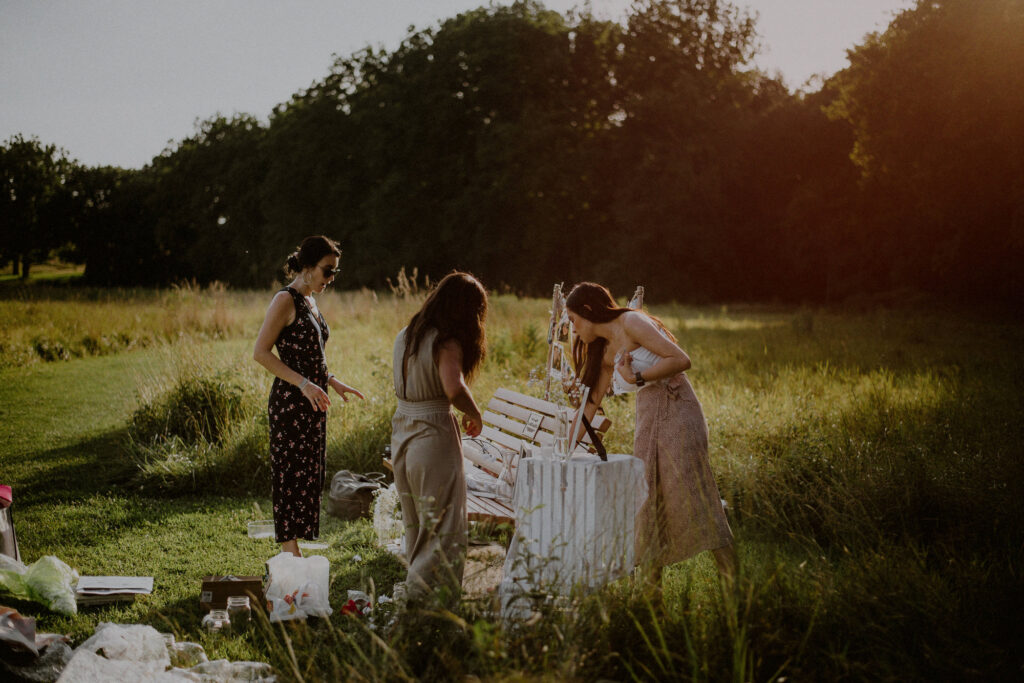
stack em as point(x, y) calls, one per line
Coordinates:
point(330, 376)
point(305, 381)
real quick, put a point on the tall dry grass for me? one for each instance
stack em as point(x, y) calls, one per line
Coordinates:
point(871, 462)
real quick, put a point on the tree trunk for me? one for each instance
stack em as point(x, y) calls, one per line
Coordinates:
point(26, 265)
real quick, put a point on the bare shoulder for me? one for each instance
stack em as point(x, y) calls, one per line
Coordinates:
point(638, 323)
point(281, 306)
point(451, 346)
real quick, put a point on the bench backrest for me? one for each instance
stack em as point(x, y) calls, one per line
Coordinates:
point(513, 420)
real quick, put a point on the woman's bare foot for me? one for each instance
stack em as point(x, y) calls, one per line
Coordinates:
point(292, 547)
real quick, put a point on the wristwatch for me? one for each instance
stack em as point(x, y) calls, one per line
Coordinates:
point(638, 379)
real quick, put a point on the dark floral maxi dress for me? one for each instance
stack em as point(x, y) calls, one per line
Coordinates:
point(298, 433)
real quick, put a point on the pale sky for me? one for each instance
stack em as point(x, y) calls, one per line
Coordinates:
point(113, 81)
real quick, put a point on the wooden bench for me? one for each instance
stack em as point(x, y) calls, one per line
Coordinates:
point(513, 421)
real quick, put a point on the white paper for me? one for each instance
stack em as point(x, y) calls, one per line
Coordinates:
point(103, 585)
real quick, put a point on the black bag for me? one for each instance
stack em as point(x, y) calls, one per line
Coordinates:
point(351, 493)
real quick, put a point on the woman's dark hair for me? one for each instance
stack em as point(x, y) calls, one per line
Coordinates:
point(309, 253)
point(456, 308)
point(592, 302)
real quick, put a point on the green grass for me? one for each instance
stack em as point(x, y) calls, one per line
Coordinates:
point(871, 460)
point(53, 273)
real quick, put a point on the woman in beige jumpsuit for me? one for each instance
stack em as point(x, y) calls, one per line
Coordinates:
point(441, 347)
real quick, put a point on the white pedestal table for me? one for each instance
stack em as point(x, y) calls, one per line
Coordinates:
point(574, 526)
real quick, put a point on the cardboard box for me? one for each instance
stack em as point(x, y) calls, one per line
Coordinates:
point(216, 590)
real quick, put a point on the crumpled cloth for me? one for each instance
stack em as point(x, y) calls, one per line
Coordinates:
point(137, 653)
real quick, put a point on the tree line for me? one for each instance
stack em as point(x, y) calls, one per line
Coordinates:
point(531, 147)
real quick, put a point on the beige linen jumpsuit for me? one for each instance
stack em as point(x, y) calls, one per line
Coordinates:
point(426, 454)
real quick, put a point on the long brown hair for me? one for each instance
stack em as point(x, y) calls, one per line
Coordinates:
point(595, 303)
point(457, 309)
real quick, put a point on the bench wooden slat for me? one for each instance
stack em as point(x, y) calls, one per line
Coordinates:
point(523, 404)
point(488, 510)
point(500, 437)
point(503, 408)
point(514, 428)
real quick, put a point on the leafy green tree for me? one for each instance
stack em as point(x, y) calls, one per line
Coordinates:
point(114, 234)
point(936, 103)
point(208, 218)
point(467, 137)
point(680, 92)
point(35, 201)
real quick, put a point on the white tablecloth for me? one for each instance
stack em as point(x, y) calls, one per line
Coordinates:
point(574, 525)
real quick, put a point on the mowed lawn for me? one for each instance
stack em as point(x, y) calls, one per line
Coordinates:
point(63, 426)
point(871, 462)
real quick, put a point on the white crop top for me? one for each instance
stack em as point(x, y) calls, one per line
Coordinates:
point(642, 360)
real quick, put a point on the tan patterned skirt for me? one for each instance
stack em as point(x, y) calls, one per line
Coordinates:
point(683, 513)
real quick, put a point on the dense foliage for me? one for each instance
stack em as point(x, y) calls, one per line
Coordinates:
point(532, 147)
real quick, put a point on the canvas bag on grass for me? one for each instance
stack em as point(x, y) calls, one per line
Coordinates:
point(351, 493)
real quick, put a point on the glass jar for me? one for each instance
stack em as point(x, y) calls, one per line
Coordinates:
point(239, 612)
point(216, 621)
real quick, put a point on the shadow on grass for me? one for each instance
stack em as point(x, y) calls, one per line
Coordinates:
point(68, 473)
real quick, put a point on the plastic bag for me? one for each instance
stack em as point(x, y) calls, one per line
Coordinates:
point(297, 587)
point(493, 459)
point(46, 667)
point(223, 670)
point(47, 581)
point(480, 482)
point(387, 517)
point(138, 653)
point(116, 652)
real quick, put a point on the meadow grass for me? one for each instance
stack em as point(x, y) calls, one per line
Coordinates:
point(871, 462)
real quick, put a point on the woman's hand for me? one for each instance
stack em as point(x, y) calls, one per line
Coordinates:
point(449, 367)
point(317, 397)
point(625, 366)
point(342, 389)
point(472, 424)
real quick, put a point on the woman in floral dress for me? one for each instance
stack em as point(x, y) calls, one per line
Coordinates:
point(298, 399)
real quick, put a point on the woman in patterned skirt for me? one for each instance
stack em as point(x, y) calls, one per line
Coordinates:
point(298, 399)
point(630, 350)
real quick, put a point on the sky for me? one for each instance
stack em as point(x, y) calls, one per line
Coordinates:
point(114, 82)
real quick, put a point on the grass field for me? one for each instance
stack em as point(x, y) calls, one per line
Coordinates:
point(871, 461)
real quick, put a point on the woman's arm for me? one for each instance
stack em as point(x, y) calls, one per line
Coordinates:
point(449, 366)
point(597, 392)
point(279, 315)
point(642, 330)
